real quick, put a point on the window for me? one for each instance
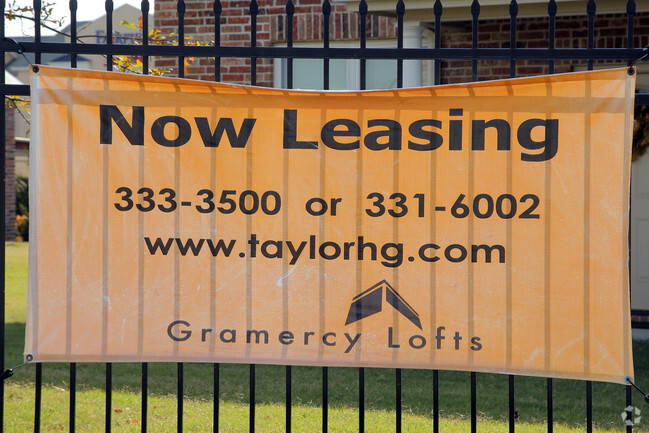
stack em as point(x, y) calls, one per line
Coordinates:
point(344, 74)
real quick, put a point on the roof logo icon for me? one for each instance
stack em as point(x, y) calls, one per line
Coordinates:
point(371, 302)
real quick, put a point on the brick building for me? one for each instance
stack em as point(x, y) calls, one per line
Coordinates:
point(494, 30)
point(10, 166)
point(10, 176)
point(533, 32)
point(271, 30)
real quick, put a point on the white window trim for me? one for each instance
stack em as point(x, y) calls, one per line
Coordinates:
point(352, 65)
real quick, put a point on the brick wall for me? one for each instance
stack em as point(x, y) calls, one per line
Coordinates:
point(10, 177)
point(271, 29)
point(571, 32)
point(643, 320)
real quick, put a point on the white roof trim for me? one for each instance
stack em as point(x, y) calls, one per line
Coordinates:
point(460, 10)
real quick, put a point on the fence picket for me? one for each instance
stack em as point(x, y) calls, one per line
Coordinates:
point(145, 397)
point(73, 396)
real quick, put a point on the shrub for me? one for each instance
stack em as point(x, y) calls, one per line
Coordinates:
point(22, 227)
point(22, 208)
point(22, 195)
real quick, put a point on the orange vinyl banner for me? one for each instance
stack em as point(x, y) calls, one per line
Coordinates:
point(479, 227)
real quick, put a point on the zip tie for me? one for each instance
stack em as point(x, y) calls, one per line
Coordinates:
point(10, 372)
point(20, 49)
point(630, 382)
point(645, 54)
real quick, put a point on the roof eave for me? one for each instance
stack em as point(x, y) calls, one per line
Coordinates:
point(460, 10)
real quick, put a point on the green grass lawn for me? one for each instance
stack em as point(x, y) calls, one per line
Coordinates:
point(417, 395)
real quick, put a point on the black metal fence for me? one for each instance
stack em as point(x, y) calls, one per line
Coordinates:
point(437, 54)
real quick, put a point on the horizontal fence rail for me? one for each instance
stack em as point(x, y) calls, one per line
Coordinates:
point(34, 48)
point(330, 53)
